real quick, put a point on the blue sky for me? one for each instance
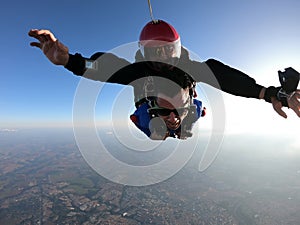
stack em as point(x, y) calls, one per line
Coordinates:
point(258, 37)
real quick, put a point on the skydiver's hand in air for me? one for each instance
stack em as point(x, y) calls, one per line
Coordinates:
point(293, 101)
point(54, 50)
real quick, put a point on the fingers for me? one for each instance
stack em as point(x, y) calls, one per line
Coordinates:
point(33, 32)
point(281, 112)
point(296, 111)
point(294, 102)
point(42, 35)
point(297, 94)
point(36, 44)
point(277, 106)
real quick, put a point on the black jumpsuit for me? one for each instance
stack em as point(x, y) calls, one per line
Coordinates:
point(112, 69)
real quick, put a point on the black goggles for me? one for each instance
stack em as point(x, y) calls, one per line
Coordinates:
point(159, 52)
point(166, 112)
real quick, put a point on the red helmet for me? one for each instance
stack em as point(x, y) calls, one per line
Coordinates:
point(159, 41)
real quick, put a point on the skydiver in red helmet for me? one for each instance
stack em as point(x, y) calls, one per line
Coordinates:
point(161, 55)
point(159, 41)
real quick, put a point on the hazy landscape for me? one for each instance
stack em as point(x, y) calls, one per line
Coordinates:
point(45, 180)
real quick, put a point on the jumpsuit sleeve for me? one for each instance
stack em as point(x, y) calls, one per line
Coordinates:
point(107, 68)
point(225, 78)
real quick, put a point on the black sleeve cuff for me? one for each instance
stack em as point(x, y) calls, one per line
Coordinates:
point(273, 92)
point(76, 64)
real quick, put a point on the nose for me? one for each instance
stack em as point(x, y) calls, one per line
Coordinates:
point(162, 54)
point(172, 117)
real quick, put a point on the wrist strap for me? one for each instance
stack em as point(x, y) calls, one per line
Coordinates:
point(277, 93)
point(282, 96)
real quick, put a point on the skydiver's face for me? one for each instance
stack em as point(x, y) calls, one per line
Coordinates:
point(161, 55)
point(174, 109)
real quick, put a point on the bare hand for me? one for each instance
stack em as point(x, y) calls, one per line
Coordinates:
point(293, 103)
point(54, 50)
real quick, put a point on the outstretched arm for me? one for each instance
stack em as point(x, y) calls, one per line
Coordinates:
point(58, 54)
point(237, 83)
point(54, 50)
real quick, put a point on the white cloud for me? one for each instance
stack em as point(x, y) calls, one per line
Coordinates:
point(8, 130)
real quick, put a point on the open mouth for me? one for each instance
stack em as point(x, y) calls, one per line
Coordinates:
point(173, 126)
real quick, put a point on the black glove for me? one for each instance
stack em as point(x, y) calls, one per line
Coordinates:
point(289, 80)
